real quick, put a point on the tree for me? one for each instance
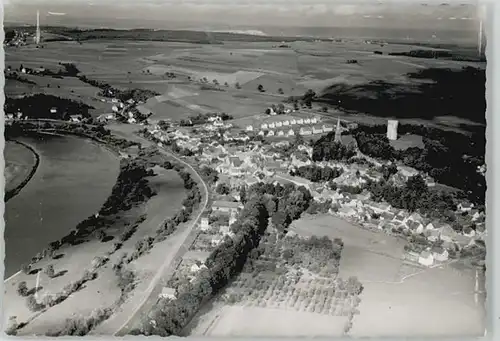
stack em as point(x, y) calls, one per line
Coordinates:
point(324, 109)
point(281, 109)
point(237, 85)
point(32, 304)
point(22, 288)
point(26, 269)
point(260, 88)
point(101, 235)
point(216, 82)
point(280, 91)
point(49, 271)
point(223, 188)
point(281, 220)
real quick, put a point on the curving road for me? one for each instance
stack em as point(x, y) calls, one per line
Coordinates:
point(171, 264)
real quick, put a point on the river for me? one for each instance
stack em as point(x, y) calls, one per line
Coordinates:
point(72, 181)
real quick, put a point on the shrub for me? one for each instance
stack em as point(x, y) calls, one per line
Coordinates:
point(32, 304)
point(22, 289)
point(26, 269)
point(49, 271)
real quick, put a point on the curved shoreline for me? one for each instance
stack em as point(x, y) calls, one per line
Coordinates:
point(13, 192)
point(60, 133)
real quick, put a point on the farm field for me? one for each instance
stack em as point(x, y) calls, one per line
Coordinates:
point(281, 72)
point(441, 298)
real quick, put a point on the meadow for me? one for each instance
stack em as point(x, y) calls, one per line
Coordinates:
point(181, 72)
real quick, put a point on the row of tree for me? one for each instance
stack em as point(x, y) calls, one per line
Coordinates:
point(444, 152)
point(415, 195)
point(202, 119)
point(39, 106)
point(326, 149)
point(316, 173)
point(224, 262)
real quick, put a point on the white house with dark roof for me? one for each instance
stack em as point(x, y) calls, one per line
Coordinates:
point(307, 121)
point(305, 131)
point(433, 235)
point(226, 206)
point(271, 125)
point(317, 130)
point(264, 126)
point(286, 122)
point(327, 128)
point(314, 120)
point(300, 121)
point(465, 207)
point(168, 293)
point(380, 207)
point(249, 128)
point(261, 133)
point(204, 224)
point(293, 121)
point(439, 253)
point(279, 124)
point(426, 258)
point(270, 133)
point(291, 132)
point(447, 233)
point(281, 133)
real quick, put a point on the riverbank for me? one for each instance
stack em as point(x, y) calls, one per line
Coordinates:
point(73, 178)
point(19, 167)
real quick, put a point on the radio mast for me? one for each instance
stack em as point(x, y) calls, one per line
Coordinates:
point(38, 35)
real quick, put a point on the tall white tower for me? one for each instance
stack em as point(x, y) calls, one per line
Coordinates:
point(392, 129)
point(38, 35)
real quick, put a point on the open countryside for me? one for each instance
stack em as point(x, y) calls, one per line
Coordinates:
point(201, 180)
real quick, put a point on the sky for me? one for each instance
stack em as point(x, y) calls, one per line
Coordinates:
point(197, 13)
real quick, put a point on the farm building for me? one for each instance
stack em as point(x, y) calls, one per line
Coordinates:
point(279, 124)
point(300, 121)
point(168, 293)
point(307, 121)
point(440, 254)
point(317, 130)
point(270, 133)
point(286, 123)
point(281, 133)
point(271, 125)
point(412, 256)
point(204, 225)
point(426, 258)
point(327, 128)
point(293, 121)
point(226, 206)
point(290, 132)
point(305, 131)
point(249, 128)
point(264, 126)
point(465, 207)
point(261, 133)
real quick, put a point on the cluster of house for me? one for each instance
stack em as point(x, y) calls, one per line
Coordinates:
point(360, 209)
point(286, 127)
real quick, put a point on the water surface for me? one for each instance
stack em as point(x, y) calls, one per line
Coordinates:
point(74, 178)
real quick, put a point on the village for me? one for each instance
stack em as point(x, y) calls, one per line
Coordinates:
point(243, 156)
